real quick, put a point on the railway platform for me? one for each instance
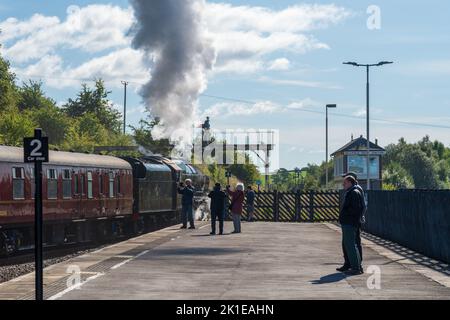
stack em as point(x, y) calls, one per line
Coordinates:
point(267, 260)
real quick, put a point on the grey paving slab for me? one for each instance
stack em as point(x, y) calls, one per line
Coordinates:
point(266, 261)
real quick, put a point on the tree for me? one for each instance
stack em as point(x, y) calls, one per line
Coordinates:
point(143, 137)
point(8, 89)
point(398, 177)
point(32, 96)
point(54, 123)
point(14, 126)
point(282, 180)
point(95, 102)
point(247, 172)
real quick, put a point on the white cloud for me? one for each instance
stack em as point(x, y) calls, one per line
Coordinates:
point(305, 103)
point(299, 83)
point(227, 109)
point(244, 32)
point(92, 29)
point(116, 66)
point(244, 37)
point(279, 64)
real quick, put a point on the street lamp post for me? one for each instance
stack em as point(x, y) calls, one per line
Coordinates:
point(297, 177)
point(125, 84)
point(326, 142)
point(367, 108)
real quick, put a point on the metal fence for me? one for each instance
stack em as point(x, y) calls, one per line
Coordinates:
point(310, 206)
point(416, 219)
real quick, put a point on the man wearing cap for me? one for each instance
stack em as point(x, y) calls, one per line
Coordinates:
point(350, 217)
point(346, 265)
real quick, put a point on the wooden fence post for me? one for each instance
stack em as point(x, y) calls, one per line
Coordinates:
point(275, 206)
point(311, 206)
point(297, 206)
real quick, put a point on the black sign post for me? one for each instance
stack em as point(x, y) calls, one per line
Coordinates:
point(36, 150)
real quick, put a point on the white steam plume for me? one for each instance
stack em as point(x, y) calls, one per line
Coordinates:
point(177, 49)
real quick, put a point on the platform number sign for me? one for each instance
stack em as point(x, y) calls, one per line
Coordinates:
point(35, 149)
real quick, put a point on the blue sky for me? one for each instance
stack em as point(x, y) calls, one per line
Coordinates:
point(282, 78)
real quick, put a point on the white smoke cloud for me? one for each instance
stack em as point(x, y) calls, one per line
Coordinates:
point(177, 48)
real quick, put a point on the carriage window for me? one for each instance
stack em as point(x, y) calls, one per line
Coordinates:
point(111, 185)
point(77, 188)
point(32, 183)
point(18, 183)
point(82, 183)
point(52, 184)
point(67, 184)
point(89, 179)
point(118, 184)
point(100, 183)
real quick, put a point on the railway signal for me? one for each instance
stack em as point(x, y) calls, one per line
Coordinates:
point(36, 150)
point(228, 176)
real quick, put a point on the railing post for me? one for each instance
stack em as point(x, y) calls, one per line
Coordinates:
point(275, 205)
point(311, 206)
point(297, 206)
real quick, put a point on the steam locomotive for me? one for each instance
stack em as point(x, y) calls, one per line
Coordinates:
point(89, 197)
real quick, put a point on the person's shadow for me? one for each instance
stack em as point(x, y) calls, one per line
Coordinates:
point(330, 278)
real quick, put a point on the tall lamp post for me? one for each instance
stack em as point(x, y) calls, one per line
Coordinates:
point(297, 176)
point(367, 106)
point(326, 142)
point(125, 84)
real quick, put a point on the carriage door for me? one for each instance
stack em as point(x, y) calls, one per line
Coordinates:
point(101, 194)
point(82, 201)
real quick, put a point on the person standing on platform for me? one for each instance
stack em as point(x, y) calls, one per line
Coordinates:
point(346, 265)
point(187, 192)
point(237, 199)
point(250, 203)
point(217, 208)
point(349, 218)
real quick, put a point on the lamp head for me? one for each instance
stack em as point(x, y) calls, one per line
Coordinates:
point(384, 62)
point(351, 63)
point(331, 106)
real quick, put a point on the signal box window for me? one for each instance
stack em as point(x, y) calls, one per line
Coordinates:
point(52, 184)
point(18, 183)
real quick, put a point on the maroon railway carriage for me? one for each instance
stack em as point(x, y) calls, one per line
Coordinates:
point(85, 196)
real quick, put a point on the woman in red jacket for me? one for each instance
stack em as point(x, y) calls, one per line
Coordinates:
point(237, 199)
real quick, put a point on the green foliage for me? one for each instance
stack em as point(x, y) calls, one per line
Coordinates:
point(53, 122)
point(32, 96)
point(424, 165)
point(95, 102)
point(8, 89)
point(396, 177)
point(14, 126)
point(143, 137)
point(247, 173)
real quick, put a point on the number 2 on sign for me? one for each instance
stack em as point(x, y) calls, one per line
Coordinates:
point(36, 151)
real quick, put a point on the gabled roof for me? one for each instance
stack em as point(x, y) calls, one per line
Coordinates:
point(358, 144)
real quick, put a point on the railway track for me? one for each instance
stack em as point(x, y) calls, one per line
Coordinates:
point(23, 261)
